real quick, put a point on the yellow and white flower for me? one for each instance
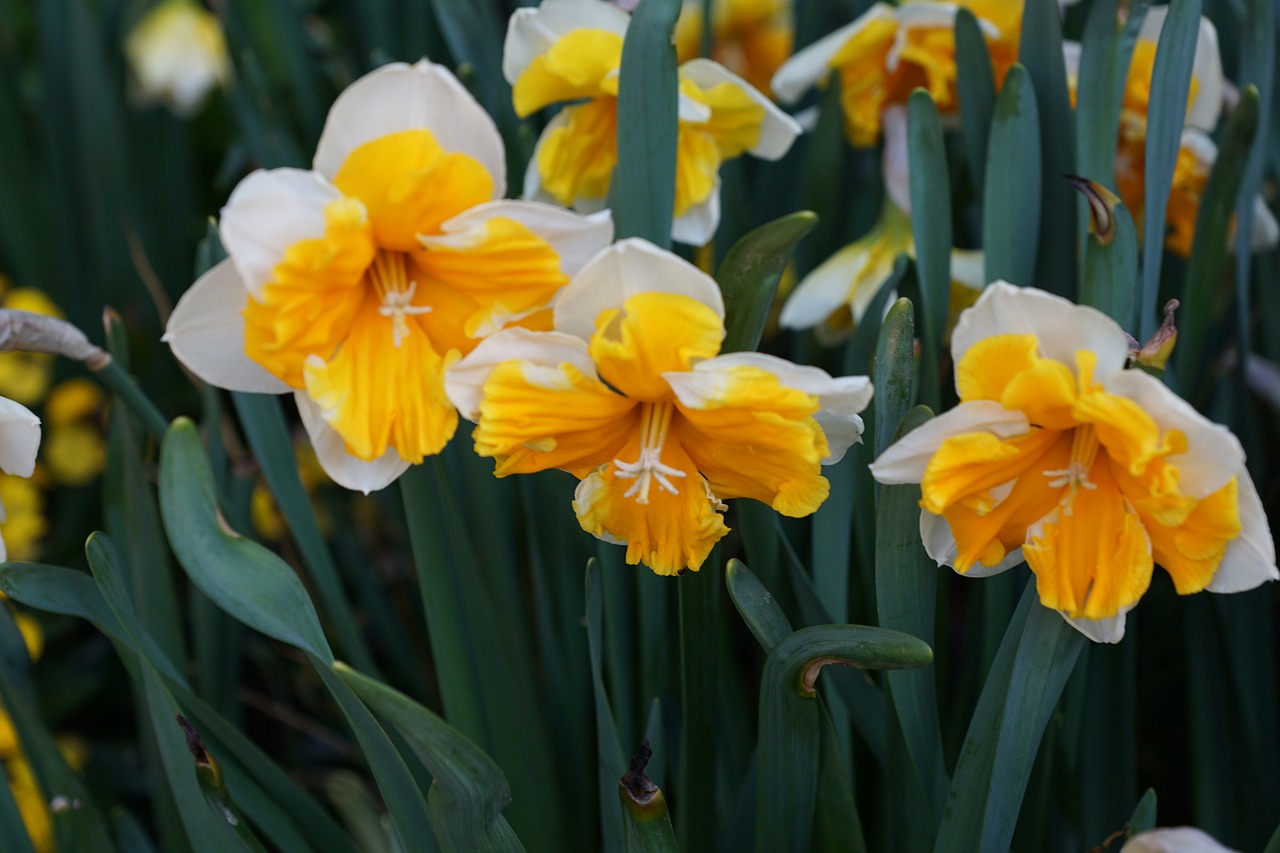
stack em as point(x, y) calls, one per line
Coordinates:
point(19, 442)
point(630, 395)
point(1090, 472)
point(890, 50)
point(834, 297)
point(1197, 152)
point(752, 38)
point(569, 52)
point(178, 54)
point(355, 284)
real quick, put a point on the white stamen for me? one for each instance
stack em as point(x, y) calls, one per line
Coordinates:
point(649, 467)
point(396, 304)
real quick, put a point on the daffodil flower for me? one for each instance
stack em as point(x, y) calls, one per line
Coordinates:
point(569, 52)
point(177, 54)
point(890, 50)
point(1176, 839)
point(834, 297)
point(355, 284)
point(1091, 473)
point(19, 442)
point(1196, 153)
point(752, 38)
point(630, 395)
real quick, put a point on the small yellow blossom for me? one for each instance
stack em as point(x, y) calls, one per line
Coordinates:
point(570, 52)
point(25, 376)
point(891, 50)
point(75, 451)
point(1092, 473)
point(630, 395)
point(752, 38)
point(354, 285)
point(177, 54)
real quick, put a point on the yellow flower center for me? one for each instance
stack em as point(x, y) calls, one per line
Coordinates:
point(395, 289)
point(655, 422)
point(1091, 493)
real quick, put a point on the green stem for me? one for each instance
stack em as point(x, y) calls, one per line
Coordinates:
point(112, 375)
point(699, 660)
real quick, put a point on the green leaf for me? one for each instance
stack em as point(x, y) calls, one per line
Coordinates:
point(1110, 255)
point(1040, 52)
point(699, 597)
point(1144, 813)
point(790, 723)
point(1166, 115)
point(1105, 52)
point(757, 607)
point(976, 86)
point(1011, 199)
point(931, 228)
point(472, 789)
point(749, 276)
point(13, 834)
point(645, 809)
point(609, 756)
point(1204, 297)
point(644, 181)
point(268, 436)
point(1047, 652)
point(243, 578)
point(895, 354)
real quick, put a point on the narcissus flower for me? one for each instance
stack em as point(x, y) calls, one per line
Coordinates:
point(569, 52)
point(19, 442)
point(177, 55)
point(1196, 153)
point(354, 285)
point(630, 395)
point(752, 38)
point(834, 297)
point(1091, 473)
point(890, 50)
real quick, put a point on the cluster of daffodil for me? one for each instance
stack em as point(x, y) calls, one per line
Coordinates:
point(391, 288)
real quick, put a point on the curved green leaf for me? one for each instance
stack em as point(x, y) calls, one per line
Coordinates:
point(749, 276)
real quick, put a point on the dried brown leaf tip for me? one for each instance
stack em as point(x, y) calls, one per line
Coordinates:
point(207, 769)
point(1154, 354)
point(1102, 206)
point(638, 787)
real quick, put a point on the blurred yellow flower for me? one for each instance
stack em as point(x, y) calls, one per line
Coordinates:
point(569, 52)
point(25, 376)
point(752, 38)
point(630, 395)
point(32, 804)
point(890, 50)
point(75, 451)
point(1090, 472)
point(263, 511)
point(177, 54)
point(354, 285)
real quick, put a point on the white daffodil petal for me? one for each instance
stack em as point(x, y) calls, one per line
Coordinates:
point(343, 468)
point(619, 272)
point(1250, 559)
point(1175, 839)
point(531, 32)
point(895, 162)
point(267, 213)
point(824, 290)
point(464, 380)
point(574, 237)
point(400, 97)
point(967, 268)
point(940, 545)
point(1266, 232)
point(1071, 51)
point(810, 66)
point(1213, 454)
point(697, 225)
point(840, 398)
point(19, 438)
point(1109, 630)
point(1206, 68)
point(1061, 327)
point(906, 459)
point(206, 333)
point(777, 131)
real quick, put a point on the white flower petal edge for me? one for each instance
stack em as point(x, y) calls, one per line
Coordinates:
point(968, 268)
point(1206, 67)
point(575, 238)
point(778, 130)
point(840, 399)
point(267, 213)
point(895, 162)
point(698, 224)
point(1213, 454)
point(1266, 231)
point(940, 545)
point(1250, 559)
point(206, 333)
point(400, 97)
point(830, 285)
point(810, 66)
point(906, 459)
point(1176, 839)
point(1061, 327)
point(532, 32)
point(465, 379)
point(343, 468)
point(19, 439)
point(1109, 630)
point(621, 271)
